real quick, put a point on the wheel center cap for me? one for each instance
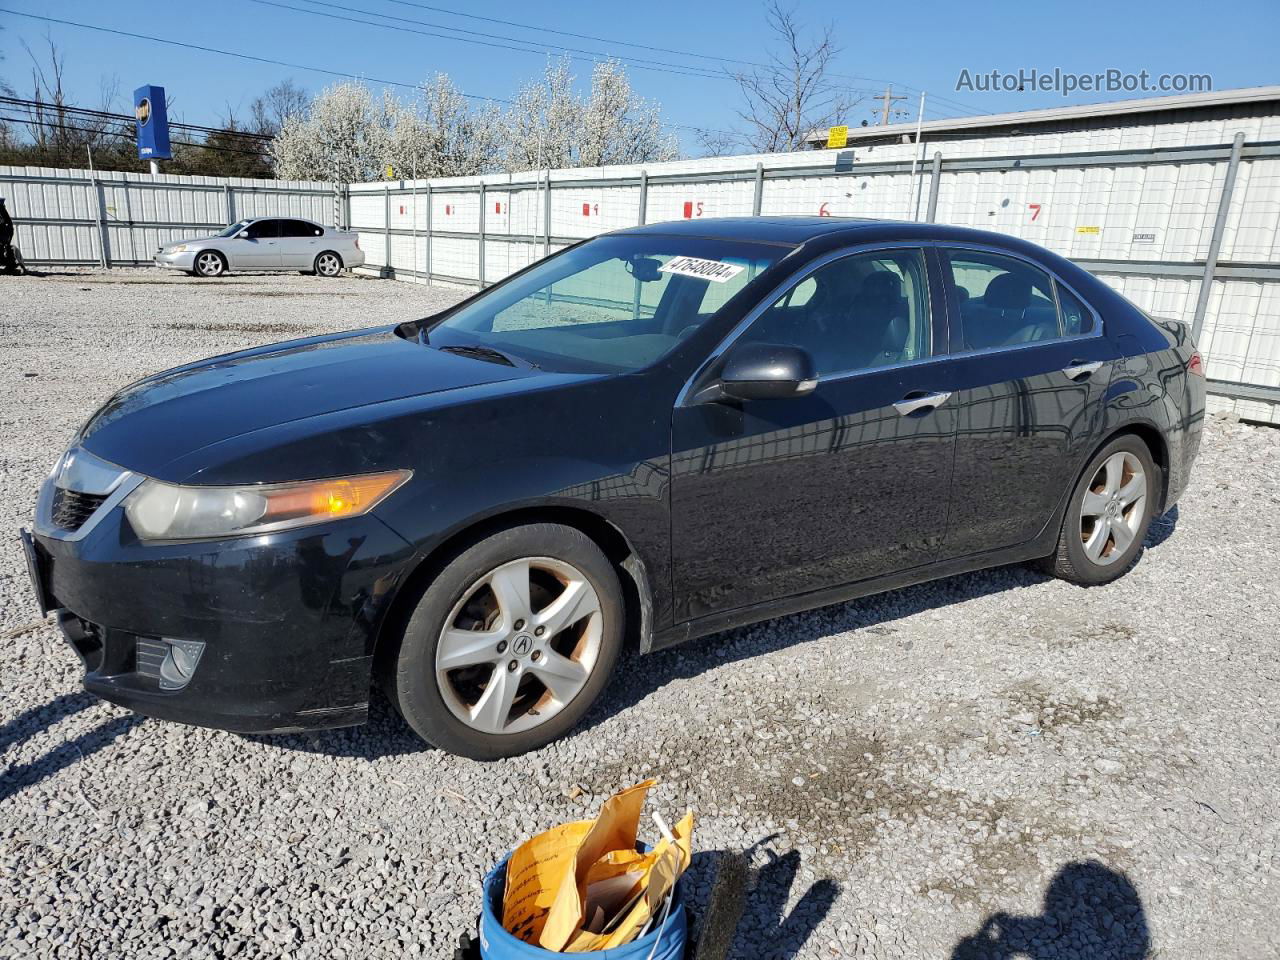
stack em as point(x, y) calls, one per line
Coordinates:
point(522, 645)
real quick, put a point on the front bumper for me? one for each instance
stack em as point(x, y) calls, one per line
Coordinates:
point(282, 627)
point(176, 261)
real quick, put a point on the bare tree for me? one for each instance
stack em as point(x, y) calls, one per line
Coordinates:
point(794, 94)
point(58, 131)
point(270, 110)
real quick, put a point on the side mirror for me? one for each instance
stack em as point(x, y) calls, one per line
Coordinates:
point(242, 235)
point(763, 371)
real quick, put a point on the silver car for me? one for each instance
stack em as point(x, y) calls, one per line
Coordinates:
point(267, 243)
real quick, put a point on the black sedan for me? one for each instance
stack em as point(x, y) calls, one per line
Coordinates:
point(647, 437)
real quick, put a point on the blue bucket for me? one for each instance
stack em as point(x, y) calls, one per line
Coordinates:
point(665, 943)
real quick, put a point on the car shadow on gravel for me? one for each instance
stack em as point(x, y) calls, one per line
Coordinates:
point(386, 734)
point(1090, 910)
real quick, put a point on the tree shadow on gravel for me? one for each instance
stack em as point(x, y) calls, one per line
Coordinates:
point(1090, 911)
point(18, 778)
point(30, 722)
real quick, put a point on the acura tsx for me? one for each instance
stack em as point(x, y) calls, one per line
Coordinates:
point(644, 438)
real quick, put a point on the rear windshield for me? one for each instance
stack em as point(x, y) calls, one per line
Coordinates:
point(611, 304)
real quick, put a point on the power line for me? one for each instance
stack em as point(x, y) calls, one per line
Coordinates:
point(279, 63)
point(702, 55)
point(99, 131)
point(489, 39)
point(86, 112)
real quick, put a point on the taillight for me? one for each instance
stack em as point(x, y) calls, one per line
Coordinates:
point(1195, 364)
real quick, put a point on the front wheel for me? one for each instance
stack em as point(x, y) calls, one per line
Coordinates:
point(511, 643)
point(210, 263)
point(328, 264)
point(1107, 519)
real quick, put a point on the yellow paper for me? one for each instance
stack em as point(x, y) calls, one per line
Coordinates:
point(533, 877)
point(667, 862)
point(614, 829)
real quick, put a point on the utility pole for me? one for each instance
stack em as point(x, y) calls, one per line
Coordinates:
point(889, 100)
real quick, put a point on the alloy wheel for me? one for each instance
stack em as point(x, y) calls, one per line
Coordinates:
point(519, 646)
point(328, 265)
point(209, 264)
point(1113, 508)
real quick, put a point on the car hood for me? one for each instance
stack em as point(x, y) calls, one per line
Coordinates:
point(172, 414)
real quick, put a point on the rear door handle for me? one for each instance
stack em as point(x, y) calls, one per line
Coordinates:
point(927, 401)
point(1078, 371)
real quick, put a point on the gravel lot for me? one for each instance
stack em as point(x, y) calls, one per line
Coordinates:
point(993, 765)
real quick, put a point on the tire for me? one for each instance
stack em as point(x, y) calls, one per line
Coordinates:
point(572, 595)
point(1097, 547)
point(328, 264)
point(210, 263)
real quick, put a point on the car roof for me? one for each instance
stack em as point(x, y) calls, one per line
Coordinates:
point(799, 229)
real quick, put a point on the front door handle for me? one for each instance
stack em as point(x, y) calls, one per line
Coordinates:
point(913, 403)
point(1078, 371)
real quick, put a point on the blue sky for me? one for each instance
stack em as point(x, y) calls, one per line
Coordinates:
point(924, 45)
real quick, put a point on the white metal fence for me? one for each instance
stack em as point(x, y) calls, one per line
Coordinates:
point(105, 218)
point(1183, 218)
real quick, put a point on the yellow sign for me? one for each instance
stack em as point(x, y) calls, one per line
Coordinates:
point(837, 137)
point(1089, 229)
point(391, 174)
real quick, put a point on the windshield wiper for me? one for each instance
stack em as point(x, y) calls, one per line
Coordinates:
point(479, 352)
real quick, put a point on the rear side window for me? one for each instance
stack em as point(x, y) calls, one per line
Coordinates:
point(299, 228)
point(1003, 301)
point(263, 229)
point(1077, 319)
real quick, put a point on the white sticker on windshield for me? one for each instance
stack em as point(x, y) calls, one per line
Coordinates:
point(712, 270)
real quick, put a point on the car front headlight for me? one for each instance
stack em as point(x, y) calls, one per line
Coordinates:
point(165, 511)
point(180, 248)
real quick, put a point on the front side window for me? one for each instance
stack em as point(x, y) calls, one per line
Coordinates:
point(860, 312)
point(611, 304)
point(1004, 301)
point(235, 228)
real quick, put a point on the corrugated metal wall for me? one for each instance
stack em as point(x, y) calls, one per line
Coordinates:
point(1136, 205)
point(82, 217)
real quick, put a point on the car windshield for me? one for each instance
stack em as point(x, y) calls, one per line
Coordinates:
point(612, 304)
point(235, 228)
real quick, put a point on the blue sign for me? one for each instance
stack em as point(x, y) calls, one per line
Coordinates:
point(153, 123)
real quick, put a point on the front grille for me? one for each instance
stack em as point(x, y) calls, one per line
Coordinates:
point(71, 508)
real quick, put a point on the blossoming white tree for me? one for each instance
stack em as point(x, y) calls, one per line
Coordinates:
point(347, 135)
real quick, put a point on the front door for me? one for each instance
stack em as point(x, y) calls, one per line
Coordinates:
point(1030, 369)
point(258, 250)
point(779, 497)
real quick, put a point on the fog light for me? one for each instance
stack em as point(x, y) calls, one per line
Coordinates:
point(179, 664)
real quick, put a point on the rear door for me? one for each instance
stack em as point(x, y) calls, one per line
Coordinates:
point(1029, 367)
point(779, 497)
point(299, 244)
point(259, 249)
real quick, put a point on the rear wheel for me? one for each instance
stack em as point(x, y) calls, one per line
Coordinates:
point(328, 264)
point(1108, 516)
point(511, 643)
point(210, 263)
